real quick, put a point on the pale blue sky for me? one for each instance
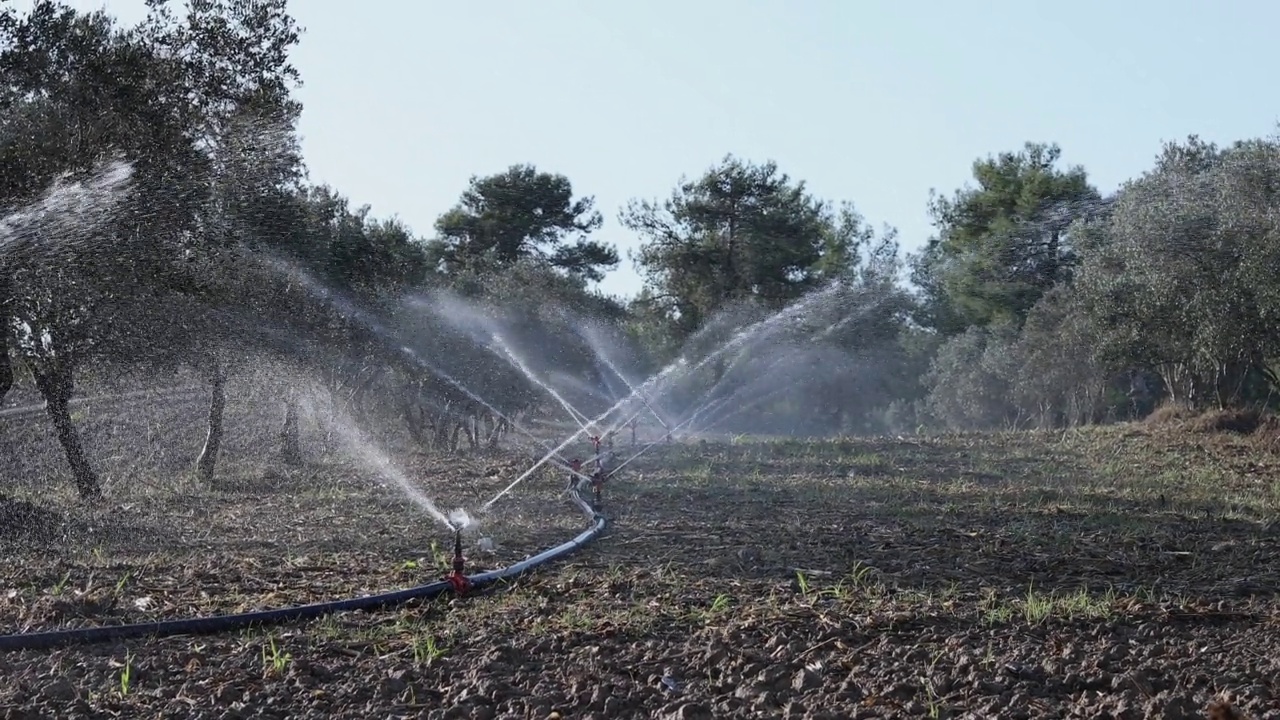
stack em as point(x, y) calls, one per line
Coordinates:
point(868, 100)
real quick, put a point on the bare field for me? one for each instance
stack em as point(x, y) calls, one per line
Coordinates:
point(1118, 572)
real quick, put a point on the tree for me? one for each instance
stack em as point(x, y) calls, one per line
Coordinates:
point(523, 213)
point(1182, 284)
point(1052, 387)
point(741, 232)
point(236, 86)
point(74, 91)
point(177, 102)
point(969, 378)
point(1001, 245)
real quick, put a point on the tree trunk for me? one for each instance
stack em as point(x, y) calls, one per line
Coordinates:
point(473, 431)
point(499, 424)
point(55, 386)
point(290, 444)
point(6, 362)
point(414, 419)
point(213, 438)
point(443, 423)
point(6, 371)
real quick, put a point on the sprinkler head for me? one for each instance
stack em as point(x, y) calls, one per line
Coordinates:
point(457, 577)
point(597, 486)
point(459, 562)
point(575, 469)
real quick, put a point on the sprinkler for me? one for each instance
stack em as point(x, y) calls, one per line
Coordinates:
point(457, 577)
point(597, 485)
point(603, 457)
point(575, 473)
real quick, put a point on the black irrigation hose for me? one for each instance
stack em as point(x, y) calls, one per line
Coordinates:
point(224, 623)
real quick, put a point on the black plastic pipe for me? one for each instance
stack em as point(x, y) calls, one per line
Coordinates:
point(224, 623)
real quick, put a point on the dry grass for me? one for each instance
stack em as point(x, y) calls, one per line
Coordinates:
point(1123, 571)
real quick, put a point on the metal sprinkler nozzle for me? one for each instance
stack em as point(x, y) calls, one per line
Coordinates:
point(457, 577)
point(575, 470)
point(597, 486)
point(459, 562)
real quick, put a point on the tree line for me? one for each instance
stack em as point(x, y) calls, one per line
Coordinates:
point(1037, 302)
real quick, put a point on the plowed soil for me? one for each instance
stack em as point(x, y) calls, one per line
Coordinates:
point(1122, 572)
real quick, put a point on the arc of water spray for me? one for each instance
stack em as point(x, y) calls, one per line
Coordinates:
point(740, 337)
point(632, 388)
point(573, 412)
point(362, 447)
point(505, 352)
point(573, 437)
point(523, 476)
point(448, 378)
point(300, 275)
point(707, 407)
point(746, 333)
point(721, 417)
point(552, 454)
point(646, 448)
point(771, 365)
point(640, 395)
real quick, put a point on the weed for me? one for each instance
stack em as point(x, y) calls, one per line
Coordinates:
point(274, 659)
point(126, 674)
point(442, 559)
point(803, 582)
point(933, 700)
point(426, 649)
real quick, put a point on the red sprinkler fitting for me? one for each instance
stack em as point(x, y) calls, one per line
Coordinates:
point(457, 577)
point(575, 467)
point(597, 485)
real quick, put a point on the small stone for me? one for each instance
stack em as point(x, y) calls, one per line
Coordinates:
point(692, 711)
point(804, 679)
point(391, 687)
point(59, 690)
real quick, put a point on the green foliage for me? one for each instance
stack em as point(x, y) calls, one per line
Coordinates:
point(1185, 284)
point(523, 213)
point(1003, 244)
point(740, 232)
